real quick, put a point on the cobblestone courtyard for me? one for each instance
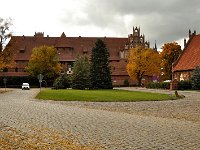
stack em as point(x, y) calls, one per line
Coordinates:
point(133, 125)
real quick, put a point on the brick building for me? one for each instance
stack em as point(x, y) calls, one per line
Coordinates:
point(189, 59)
point(69, 48)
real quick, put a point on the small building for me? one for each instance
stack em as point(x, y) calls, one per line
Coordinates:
point(189, 59)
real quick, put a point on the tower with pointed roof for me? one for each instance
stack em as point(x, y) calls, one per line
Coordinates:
point(135, 39)
point(155, 47)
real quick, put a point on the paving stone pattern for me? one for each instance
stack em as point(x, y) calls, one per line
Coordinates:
point(135, 125)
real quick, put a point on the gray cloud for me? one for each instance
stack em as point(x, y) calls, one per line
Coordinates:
point(163, 21)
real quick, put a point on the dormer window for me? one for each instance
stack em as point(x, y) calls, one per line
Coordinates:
point(121, 55)
point(85, 51)
point(22, 50)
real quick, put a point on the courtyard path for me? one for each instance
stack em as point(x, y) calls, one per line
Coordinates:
point(122, 126)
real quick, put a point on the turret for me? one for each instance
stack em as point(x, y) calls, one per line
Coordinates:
point(194, 32)
point(155, 48)
point(185, 42)
point(190, 33)
point(136, 31)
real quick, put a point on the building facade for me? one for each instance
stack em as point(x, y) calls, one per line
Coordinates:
point(189, 59)
point(69, 48)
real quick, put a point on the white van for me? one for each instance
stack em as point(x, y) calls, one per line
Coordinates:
point(25, 86)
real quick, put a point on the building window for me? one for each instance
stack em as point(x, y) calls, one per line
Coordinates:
point(141, 40)
point(62, 63)
point(5, 70)
point(16, 69)
point(181, 77)
point(131, 40)
point(85, 51)
point(22, 50)
point(126, 46)
point(126, 54)
point(121, 54)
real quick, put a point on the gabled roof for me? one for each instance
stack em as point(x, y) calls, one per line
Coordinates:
point(68, 47)
point(190, 57)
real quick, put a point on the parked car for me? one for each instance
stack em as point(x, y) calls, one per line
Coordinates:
point(168, 81)
point(25, 86)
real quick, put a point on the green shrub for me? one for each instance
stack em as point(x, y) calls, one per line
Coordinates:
point(62, 82)
point(126, 82)
point(164, 85)
point(158, 85)
point(195, 79)
point(184, 85)
point(81, 73)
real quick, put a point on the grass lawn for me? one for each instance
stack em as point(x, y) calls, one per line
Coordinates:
point(101, 95)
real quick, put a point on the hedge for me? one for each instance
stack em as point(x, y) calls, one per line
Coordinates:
point(158, 85)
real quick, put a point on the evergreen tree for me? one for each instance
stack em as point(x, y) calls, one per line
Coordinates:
point(62, 82)
point(81, 73)
point(100, 73)
point(195, 79)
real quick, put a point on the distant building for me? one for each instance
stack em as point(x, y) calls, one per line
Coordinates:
point(69, 48)
point(189, 59)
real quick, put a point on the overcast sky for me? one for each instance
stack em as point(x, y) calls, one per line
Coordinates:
point(160, 20)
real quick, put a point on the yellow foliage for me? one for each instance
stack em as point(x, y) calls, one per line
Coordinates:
point(143, 61)
point(7, 56)
point(44, 60)
point(40, 139)
point(6, 59)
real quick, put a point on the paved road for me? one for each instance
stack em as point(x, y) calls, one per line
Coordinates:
point(111, 128)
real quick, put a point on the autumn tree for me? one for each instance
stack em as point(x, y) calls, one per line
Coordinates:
point(4, 32)
point(100, 73)
point(7, 57)
point(170, 53)
point(81, 73)
point(143, 62)
point(44, 60)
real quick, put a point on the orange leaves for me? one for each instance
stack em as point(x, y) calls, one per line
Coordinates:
point(170, 53)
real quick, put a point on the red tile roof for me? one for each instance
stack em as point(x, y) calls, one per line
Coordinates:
point(8, 74)
point(190, 57)
point(76, 45)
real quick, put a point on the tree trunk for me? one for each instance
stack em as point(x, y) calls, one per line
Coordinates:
point(139, 82)
point(139, 79)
